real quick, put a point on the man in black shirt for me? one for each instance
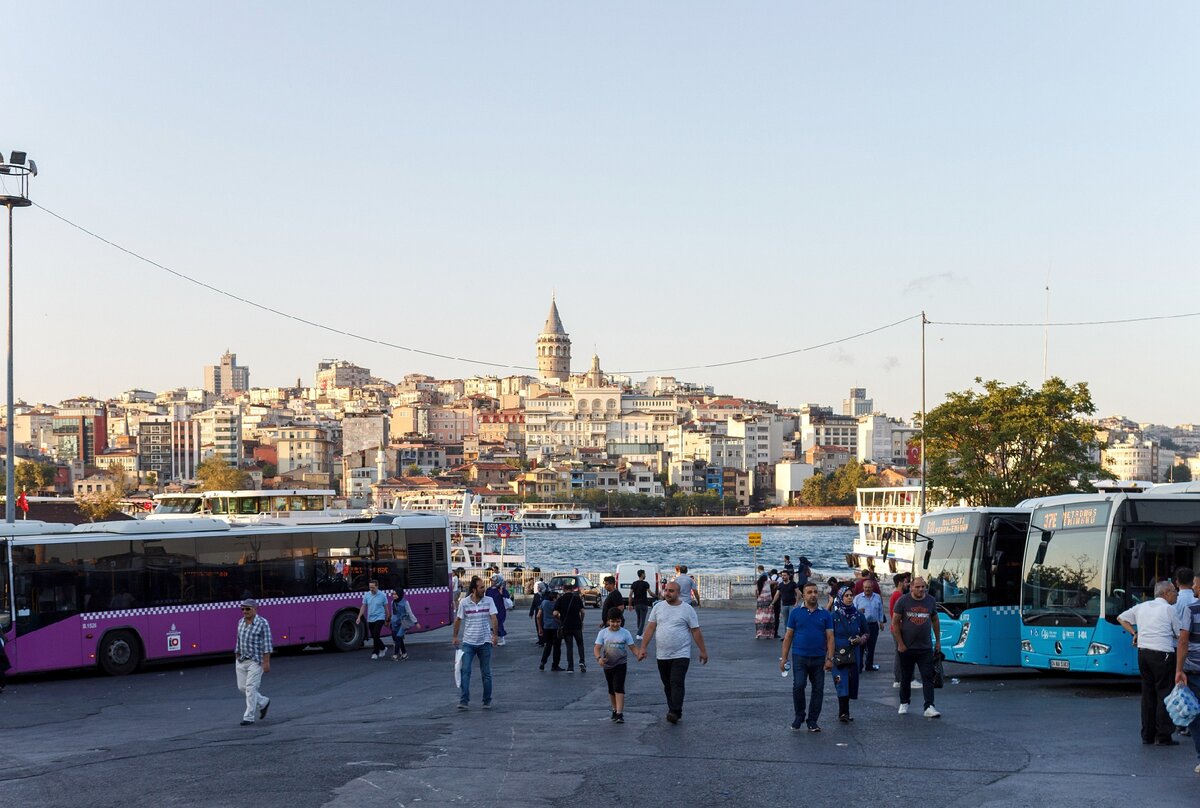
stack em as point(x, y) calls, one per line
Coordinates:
point(569, 611)
point(639, 595)
point(614, 600)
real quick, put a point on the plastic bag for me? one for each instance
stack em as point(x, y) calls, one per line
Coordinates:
point(1182, 705)
point(939, 673)
point(458, 655)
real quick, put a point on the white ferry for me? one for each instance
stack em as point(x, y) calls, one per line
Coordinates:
point(887, 522)
point(249, 507)
point(480, 535)
point(558, 516)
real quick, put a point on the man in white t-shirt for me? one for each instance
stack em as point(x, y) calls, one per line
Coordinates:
point(687, 587)
point(476, 618)
point(677, 627)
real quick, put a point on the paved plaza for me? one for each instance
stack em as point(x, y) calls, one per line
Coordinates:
point(345, 730)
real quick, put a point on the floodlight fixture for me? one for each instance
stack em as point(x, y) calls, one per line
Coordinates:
point(18, 158)
point(33, 168)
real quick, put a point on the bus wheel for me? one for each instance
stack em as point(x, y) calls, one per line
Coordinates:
point(347, 633)
point(120, 653)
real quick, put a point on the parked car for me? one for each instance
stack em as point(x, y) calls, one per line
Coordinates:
point(592, 595)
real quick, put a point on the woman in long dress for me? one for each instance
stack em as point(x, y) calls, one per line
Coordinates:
point(764, 615)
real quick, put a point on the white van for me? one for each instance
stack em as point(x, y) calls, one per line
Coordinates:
point(627, 574)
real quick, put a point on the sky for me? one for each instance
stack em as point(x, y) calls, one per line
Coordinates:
point(696, 183)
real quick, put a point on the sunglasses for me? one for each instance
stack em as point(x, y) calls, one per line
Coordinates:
point(247, 608)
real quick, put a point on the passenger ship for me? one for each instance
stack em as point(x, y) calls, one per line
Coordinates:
point(558, 516)
point(887, 522)
point(248, 507)
point(480, 535)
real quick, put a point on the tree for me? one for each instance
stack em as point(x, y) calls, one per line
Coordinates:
point(413, 471)
point(1009, 443)
point(845, 482)
point(1179, 473)
point(815, 491)
point(215, 474)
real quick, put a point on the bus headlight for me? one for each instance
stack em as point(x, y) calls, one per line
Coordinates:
point(962, 635)
point(1097, 648)
point(1026, 645)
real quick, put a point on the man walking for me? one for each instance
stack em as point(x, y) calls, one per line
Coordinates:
point(376, 611)
point(787, 593)
point(870, 603)
point(535, 613)
point(809, 638)
point(1185, 582)
point(613, 600)
point(1187, 665)
point(687, 587)
point(476, 619)
point(915, 627)
point(639, 596)
point(676, 625)
point(1157, 640)
point(569, 611)
point(901, 581)
point(252, 655)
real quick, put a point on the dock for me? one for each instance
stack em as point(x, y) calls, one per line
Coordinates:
point(781, 517)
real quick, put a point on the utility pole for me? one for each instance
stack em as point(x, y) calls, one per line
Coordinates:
point(924, 322)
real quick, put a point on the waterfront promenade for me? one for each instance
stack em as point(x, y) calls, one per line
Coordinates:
point(344, 730)
point(790, 516)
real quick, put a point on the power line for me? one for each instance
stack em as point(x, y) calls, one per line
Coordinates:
point(1072, 324)
point(372, 340)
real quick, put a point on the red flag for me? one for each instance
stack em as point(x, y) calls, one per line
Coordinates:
point(914, 454)
point(23, 503)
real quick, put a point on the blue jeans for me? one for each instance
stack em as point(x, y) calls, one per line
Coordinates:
point(806, 670)
point(484, 652)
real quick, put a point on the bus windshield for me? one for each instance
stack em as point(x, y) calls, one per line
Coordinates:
point(1156, 537)
point(1064, 586)
point(946, 559)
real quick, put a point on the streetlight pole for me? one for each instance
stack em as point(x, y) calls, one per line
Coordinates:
point(20, 170)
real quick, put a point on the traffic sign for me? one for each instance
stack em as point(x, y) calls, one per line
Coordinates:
point(755, 540)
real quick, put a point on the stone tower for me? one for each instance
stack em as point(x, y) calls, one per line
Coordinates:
point(554, 348)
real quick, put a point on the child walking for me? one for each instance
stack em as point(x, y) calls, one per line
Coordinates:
point(612, 652)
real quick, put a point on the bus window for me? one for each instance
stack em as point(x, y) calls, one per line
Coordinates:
point(426, 558)
point(112, 575)
point(334, 557)
point(45, 591)
point(219, 504)
point(390, 566)
point(218, 570)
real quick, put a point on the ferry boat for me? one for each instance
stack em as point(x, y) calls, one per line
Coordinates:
point(250, 507)
point(480, 535)
point(887, 521)
point(558, 516)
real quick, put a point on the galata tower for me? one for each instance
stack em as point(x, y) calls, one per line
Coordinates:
point(554, 348)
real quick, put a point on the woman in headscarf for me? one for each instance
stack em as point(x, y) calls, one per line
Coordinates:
point(764, 614)
point(849, 631)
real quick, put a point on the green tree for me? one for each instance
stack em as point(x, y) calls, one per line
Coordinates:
point(1179, 473)
point(214, 474)
point(98, 505)
point(413, 471)
point(815, 491)
point(1006, 443)
point(845, 482)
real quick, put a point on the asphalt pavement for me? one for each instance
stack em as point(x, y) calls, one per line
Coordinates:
point(346, 730)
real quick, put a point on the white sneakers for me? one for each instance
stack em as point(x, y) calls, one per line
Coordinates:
point(896, 685)
point(903, 709)
point(374, 656)
point(931, 712)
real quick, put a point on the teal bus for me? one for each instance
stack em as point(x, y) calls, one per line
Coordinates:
point(1089, 557)
point(971, 559)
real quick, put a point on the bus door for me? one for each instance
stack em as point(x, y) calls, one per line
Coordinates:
point(1002, 567)
point(46, 595)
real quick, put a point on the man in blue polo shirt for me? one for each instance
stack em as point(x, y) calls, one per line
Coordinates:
point(810, 635)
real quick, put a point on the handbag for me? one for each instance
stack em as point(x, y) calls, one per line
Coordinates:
point(843, 658)
point(1182, 705)
point(939, 675)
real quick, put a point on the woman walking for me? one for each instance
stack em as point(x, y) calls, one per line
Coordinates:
point(402, 620)
point(849, 632)
point(764, 615)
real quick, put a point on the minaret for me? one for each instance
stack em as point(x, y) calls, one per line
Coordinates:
point(554, 348)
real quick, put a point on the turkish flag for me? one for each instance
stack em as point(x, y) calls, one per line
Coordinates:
point(914, 454)
point(23, 503)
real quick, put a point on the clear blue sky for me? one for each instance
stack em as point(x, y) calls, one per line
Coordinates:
point(698, 183)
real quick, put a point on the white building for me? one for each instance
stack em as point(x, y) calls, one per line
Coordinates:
point(789, 479)
point(333, 373)
point(820, 427)
point(1132, 459)
point(221, 433)
point(767, 436)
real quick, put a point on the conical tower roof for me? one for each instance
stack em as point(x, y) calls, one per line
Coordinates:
point(553, 321)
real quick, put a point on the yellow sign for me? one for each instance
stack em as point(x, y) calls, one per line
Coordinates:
point(756, 540)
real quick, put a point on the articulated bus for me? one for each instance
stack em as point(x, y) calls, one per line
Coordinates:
point(117, 594)
point(1090, 557)
point(971, 558)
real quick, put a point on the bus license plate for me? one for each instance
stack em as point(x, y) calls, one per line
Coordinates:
point(1061, 664)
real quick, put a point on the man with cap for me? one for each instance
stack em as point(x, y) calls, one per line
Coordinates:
point(252, 654)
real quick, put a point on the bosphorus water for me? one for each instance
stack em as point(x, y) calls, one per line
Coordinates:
point(702, 549)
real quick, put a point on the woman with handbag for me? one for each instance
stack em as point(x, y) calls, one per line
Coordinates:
point(763, 614)
point(402, 620)
point(849, 632)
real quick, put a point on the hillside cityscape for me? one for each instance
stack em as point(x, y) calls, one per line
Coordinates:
point(558, 435)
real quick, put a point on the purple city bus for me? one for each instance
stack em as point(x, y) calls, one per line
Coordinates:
point(117, 594)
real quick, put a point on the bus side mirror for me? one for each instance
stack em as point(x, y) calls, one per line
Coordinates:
point(928, 554)
point(1040, 558)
